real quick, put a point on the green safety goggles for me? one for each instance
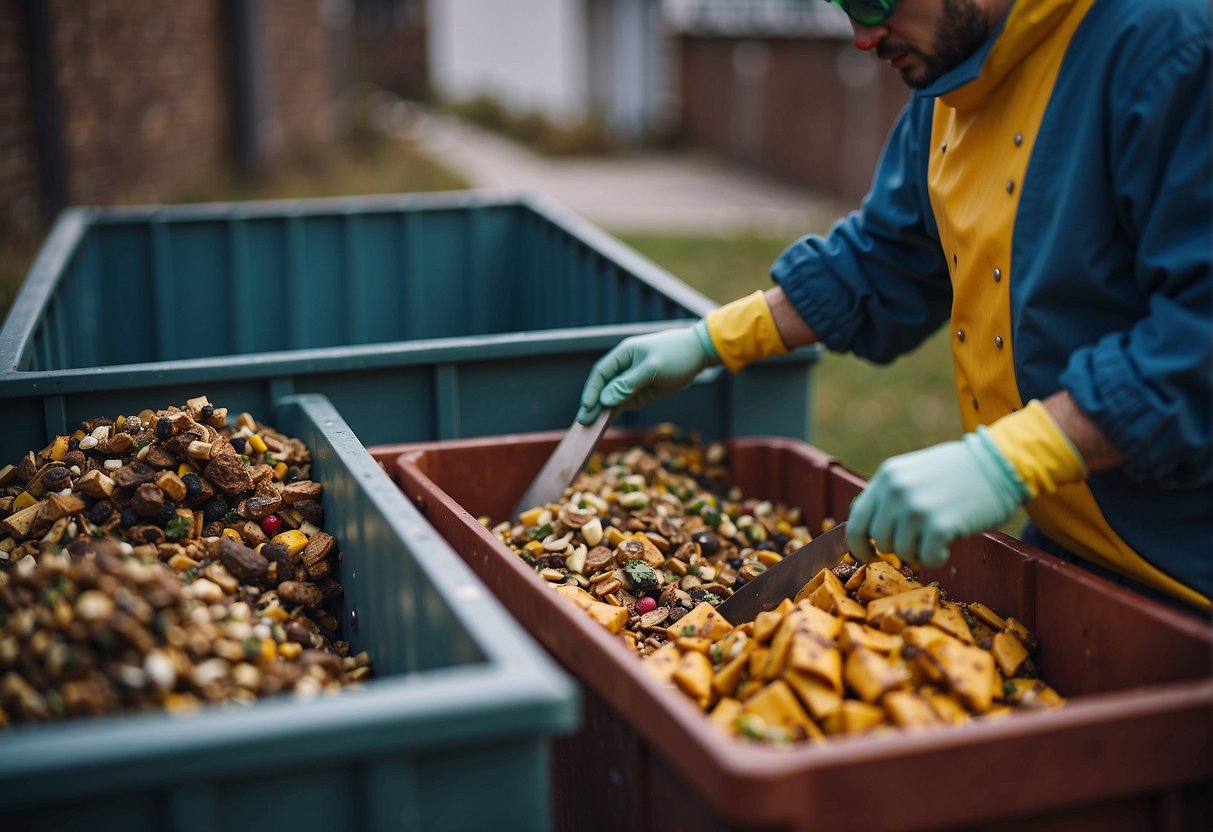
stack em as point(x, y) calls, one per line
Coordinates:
point(866, 12)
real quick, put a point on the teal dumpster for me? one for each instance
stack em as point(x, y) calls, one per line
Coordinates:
point(452, 733)
point(420, 317)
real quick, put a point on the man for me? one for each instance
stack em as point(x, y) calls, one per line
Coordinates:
point(1047, 190)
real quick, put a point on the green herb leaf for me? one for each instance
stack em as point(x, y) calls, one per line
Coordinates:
point(642, 576)
point(540, 532)
point(231, 517)
point(178, 527)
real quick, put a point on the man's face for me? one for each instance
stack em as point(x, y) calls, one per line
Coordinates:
point(925, 38)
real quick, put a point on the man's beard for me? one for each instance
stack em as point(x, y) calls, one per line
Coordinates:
point(963, 28)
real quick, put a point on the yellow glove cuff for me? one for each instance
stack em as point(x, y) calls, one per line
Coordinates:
point(1042, 455)
point(744, 331)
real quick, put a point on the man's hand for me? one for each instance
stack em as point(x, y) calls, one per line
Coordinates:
point(918, 503)
point(645, 367)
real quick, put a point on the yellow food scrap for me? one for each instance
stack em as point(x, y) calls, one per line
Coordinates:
point(703, 621)
point(294, 540)
point(872, 675)
point(608, 615)
point(531, 516)
point(819, 698)
point(699, 645)
point(726, 680)
point(693, 676)
point(986, 616)
point(881, 579)
point(724, 715)
point(855, 635)
point(1025, 636)
point(968, 671)
point(804, 618)
point(1008, 652)
point(947, 707)
point(950, 619)
point(778, 707)
point(907, 709)
point(662, 663)
point(916, 606)
point(854, 717)
point(58, 449)
point(1032, 693)
point(765, 625)
point(822, 659)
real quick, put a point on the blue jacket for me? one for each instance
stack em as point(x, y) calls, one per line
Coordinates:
point(1111, 257)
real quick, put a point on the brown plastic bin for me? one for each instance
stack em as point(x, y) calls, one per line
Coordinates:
point(1130, 751)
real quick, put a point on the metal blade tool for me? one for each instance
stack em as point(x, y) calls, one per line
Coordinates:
point(565, 463)
point(785, 578)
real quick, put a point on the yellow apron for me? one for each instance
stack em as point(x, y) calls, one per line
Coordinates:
point(982, 139)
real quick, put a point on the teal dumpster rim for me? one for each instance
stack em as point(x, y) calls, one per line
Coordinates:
point(48, 268)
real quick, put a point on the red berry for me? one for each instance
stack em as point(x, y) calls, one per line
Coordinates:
point(645, 604)
point(271, 524)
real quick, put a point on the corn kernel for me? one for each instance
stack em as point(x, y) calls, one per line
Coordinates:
point(257, 443)
point(231, 533)
point(185, 468)
point(535, 547)
point(23, 500)
point(530, 517)
point(280, 471)
point(293, 539)
point(289, 649)
point(270, 650)
point(118, 422)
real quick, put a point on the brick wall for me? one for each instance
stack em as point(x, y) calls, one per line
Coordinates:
point(812, 112)
point(144, 94)
point(301, 73)
point(18, 150)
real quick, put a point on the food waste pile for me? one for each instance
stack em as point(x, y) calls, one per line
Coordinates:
point(166, 559)
point(650, 539)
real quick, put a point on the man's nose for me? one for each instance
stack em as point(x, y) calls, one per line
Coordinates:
point(867, 37)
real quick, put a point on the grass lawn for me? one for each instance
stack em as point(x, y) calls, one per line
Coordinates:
point(862, 413)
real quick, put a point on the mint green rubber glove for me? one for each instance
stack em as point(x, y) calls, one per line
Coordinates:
point(918, 503)
point(645, 367)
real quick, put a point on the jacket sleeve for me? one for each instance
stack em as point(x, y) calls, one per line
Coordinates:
point(1150, 388)
point(877, 284)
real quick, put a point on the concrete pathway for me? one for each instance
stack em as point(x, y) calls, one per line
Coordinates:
point(657, 192)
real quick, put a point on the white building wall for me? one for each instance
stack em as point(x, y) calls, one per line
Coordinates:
point(529, 54)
